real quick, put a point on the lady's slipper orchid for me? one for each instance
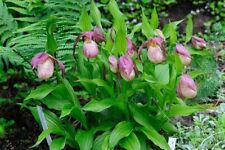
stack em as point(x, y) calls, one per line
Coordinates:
point(156, 52)
point(126, 67)
point(90, 47)
point(186, 87)
point(113, 63)
point(198, 42)
point(183, 53)
point(44, 63)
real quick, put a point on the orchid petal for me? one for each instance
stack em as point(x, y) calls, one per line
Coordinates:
point(39, 58)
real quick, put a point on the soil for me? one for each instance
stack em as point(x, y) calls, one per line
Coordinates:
point(24, 131)
point(181, 10)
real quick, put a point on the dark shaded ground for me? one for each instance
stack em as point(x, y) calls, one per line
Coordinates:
point(181, 10)
point(24, 132)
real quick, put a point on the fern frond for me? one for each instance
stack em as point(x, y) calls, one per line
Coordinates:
point(8, 24)
point(31, 39)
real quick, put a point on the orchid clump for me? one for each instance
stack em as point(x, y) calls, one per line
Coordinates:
point(125, 96)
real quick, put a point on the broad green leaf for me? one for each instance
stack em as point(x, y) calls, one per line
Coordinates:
point(145, 1)
point(122, 129)
point(156, 138)
point(71, 93)
point(95, 13)
point(51, 44)
point(42, 136)
point(85, 22)
point(58, 98)
point(178, 64)
point(166, 28)
point(143, 142)
point(146, 27)
point(154, 19)
point(100, 83)
point(58, 144)
point(51, 25)
point(70, 134)
point(169, 127)
point(66, 110)
point(189, 29)
point(105, 143)
point(54, 122)
point(35, 114)
point(139, 66)
point(119, 21)
point(136, 28)
point(82, 69)
point(114, 9)
point(106, 126)
point(197, 52)
point(120, 46)
point(98, 105)
point(109, 41)
point(162, 73)
point(142, 118)
point(40, 92)
point(131, 142)
point(184, 110)
point(99, 140)
point(77, 112)
point(173, 34)
point(194, 74)
point(84, 139)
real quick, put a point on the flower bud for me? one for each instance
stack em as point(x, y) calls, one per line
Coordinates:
point(90, 48)
point(130, 47)
point(98, 35)
point(155, 52)
point(113, 63)
point(198, 43)
point(186, 87)
point(126, 68)
point(44, 63)
point(45, 69)
point(183, 54)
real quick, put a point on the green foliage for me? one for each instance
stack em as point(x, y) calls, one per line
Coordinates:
point(216, 8)
point(189, 29)
point(85, 22)
point(207, 132)
point(5, 126)
point(8, 25)
point(209, 82)
point(92, 107)
point(28, 39)
point(215, 28)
